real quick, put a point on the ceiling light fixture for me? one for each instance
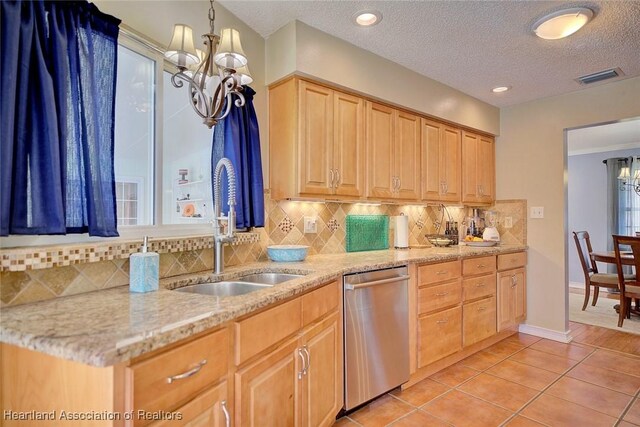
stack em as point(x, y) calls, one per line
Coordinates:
point(214, 76)
point(626, 181)
point(562, 23)
point(500, 89)
point(367, 18)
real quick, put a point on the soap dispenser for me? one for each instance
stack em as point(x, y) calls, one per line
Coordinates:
point(144, 270)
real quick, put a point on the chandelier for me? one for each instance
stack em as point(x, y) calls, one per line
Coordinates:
point(214, 76)
point(626, 181)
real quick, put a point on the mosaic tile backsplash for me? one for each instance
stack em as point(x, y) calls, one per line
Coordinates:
point(34, 274)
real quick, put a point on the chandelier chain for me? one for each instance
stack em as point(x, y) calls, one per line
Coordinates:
point(212, 16)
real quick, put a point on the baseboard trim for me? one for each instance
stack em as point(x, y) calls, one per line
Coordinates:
point(578, 285)
point(550, 334)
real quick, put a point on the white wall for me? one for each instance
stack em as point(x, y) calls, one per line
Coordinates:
point(328, 58)
point(530, 164)
point(587, 202)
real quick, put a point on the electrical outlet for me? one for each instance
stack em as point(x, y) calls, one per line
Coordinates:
point(508, 222)
point(537, 212)
point(310, 225)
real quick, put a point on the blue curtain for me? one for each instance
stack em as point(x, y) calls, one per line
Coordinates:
point(237, 138)
point(57, 118)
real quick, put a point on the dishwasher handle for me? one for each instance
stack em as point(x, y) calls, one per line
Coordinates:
point(375, 283)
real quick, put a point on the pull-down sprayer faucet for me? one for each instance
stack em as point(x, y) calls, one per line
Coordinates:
point(218, 236)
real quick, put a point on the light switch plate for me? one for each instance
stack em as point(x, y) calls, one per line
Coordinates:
point(508, 222)
point(537, 212)
point(310, 225)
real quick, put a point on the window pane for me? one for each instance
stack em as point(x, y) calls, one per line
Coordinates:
point(186, 183)
point(134, 137)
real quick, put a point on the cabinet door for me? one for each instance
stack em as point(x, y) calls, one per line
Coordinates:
point(348, 145)
point(268, 389)
point(315, 155)
point(478, 320)
point(432, 184)
point(407, 156)
point(469, 167)
point(209, 409)
point(512, 299)
point(520, 296)
point(450, 163)
point(439, 335)
point(380, 151)
point(322, 388)
point(486, 170)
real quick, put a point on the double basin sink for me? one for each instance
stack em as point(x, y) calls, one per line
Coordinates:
point(241, 286)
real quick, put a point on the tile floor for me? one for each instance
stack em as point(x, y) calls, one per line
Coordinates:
point(522, 381)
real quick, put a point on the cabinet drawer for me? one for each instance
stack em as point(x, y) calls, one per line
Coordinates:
point(439, 335)
point(476, 266)
point(167, 380)
point(317, 303)
point(436, 273)
point(478, 287)
point(478, 320)
point(507, 261)
point(432, 298)
point(262, 330)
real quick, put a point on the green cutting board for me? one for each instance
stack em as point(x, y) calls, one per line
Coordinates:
point(367, 232)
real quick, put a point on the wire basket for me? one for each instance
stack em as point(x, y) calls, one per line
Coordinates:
point(442, 240)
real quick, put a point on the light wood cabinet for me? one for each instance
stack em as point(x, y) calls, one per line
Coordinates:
point(512, 294)
point(316, 141)
point(441, 157)
point(478, 320)
point(439, 335)
point(298, 381)
point(209, 409)
point(479, 296)
point(393, 153)
point(478, 169)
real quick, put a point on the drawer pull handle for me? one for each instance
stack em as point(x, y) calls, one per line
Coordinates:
point(303, 370)
point(482, 308)
point(479, 285)
point(189, 373)
point(440, 322)
point(306, 352)
point(227, 417)
point(441, 294)
point(480, 266)
point(441, 272)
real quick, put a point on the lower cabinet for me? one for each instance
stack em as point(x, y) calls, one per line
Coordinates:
point(512, 294)
point(479, 320)
point(209, 409)
point(439, 335)
point(299, 382)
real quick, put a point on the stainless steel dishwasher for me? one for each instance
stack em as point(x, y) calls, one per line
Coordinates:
point(376, 333)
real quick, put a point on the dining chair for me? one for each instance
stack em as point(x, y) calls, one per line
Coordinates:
point(591, 275)
point(629, 287)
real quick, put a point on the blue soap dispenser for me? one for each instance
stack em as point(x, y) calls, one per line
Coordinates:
point(144, 268)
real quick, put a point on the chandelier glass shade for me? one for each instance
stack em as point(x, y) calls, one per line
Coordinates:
point(627, 181)
point(214, 76)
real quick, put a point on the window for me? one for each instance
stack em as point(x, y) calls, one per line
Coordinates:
point(128, 194)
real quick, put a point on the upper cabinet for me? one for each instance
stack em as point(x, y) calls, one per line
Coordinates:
point(440, 162)
point(478, 169)
point(393, 153)
point(316, 141)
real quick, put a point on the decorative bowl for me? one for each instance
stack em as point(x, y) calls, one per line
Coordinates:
point(442, 240)
point(287, 253)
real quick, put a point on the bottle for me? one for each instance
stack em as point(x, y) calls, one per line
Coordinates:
point(447, 230)
point(144, 268)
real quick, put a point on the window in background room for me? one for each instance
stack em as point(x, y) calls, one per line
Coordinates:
point(134, 137)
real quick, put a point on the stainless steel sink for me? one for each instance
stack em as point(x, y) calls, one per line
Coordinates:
point(224, 289)
point(269, 278)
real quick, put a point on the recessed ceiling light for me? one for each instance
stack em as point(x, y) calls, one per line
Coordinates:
point(562, 23)
point(367, 18)
point(499, 89)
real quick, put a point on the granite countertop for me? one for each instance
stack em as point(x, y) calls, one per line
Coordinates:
point(112, 326)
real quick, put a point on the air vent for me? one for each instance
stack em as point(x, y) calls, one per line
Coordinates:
point(599, 76)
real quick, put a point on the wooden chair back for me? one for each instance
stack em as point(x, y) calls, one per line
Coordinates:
point(634, 243)
point(583, 243)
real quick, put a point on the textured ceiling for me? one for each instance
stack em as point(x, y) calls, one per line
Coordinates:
point(472, 45)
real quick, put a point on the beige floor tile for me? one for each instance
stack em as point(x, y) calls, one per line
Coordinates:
point(422, 392)
point(505, 349)
point(540, 359)
point(622, 363)
point(592, 396)
point(528, 376)
point(521, 421)
point(499, 391)
point(633, 414)
point(454, 375)
point(381, 412)
point(608, 378)
point(571, 351)
point(481, 360)
point(554, 411)
point(461, 409)
point(419, 418)
point(344, 422)
point(626, 424)
point(522, 339)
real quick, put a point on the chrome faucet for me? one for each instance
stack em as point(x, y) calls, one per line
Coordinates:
point(218, 236)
